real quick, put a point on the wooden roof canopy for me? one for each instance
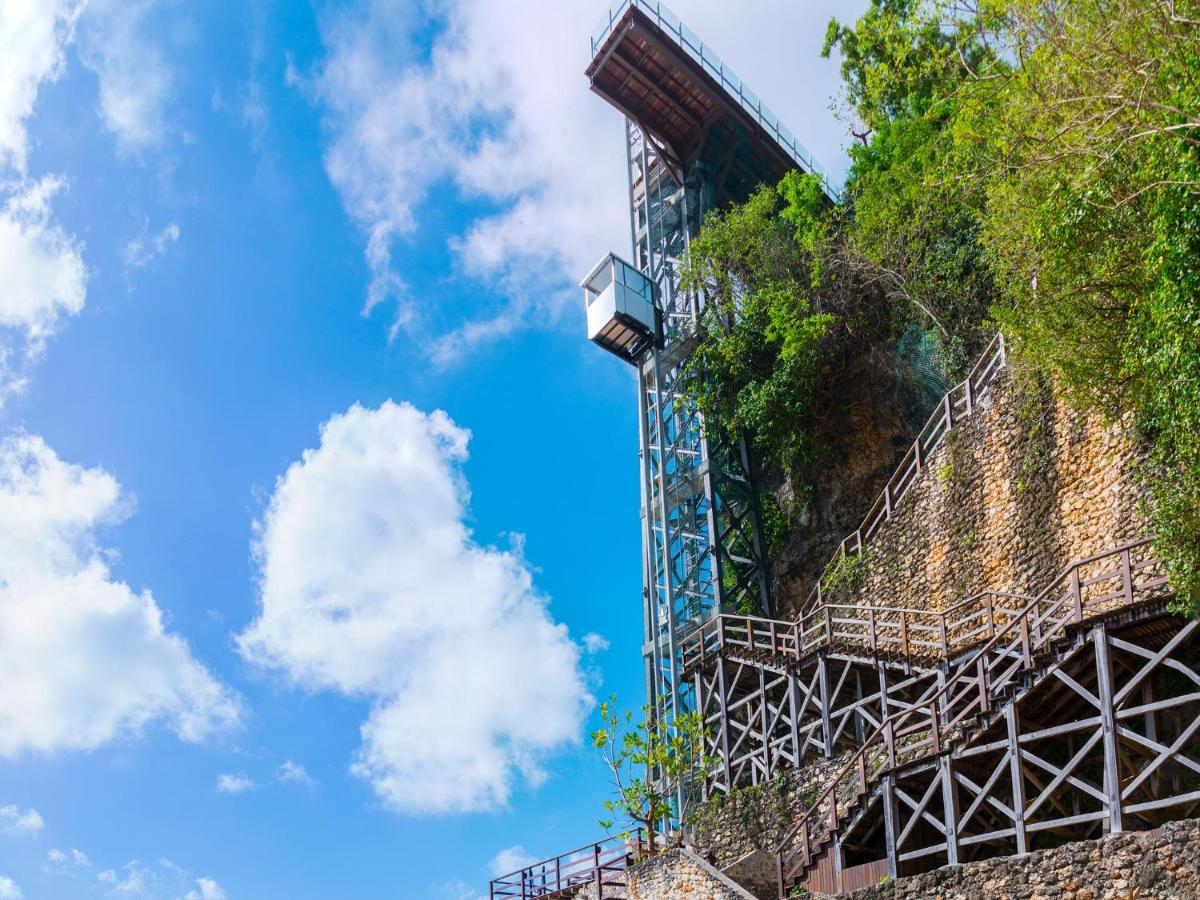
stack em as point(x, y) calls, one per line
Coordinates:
point(644, 72)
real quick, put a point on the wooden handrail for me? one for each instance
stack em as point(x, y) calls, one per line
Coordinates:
point(1029, 639)
point(816, 629)
point(585, 864)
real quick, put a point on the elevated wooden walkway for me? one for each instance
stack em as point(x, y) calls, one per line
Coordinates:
point(975, 731)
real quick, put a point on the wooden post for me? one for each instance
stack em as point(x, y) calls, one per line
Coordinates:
point(1126, 578)
point(724, 730)
point(794, 717)
point(889, 825)
point(1017, 773)
point(765, 728)
point(885, 715)
point(887, 501)
point(823, 687)
point(949, 808)
point(1104, 692)
point(917, 453)
point(981, 674)
point(860, 727)
point(970, 396)
point(1076, 596)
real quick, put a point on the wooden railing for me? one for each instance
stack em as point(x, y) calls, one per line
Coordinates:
point(1099, 584)
point(892, 632)
point(603, 863)
point(958, 403)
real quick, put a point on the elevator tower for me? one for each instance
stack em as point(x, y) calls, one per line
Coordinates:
point(697, 139)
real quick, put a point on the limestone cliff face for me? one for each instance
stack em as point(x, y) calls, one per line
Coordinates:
point(1017, 491)
point(1164, 863)
point(870, 426)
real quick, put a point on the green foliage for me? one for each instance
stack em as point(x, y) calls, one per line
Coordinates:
point(846, 572)
point(755, 368)
point(1093, 227)
point(777, 525)
point(1022, 163)
point(915, 230)
point(648, 761)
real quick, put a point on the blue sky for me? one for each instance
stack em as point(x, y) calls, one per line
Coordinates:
point(318, 515)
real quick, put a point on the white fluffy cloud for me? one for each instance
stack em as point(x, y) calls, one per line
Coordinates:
point(134, 882)
point(84, 659)
point(206, 889)
point(595, 643)
point(32, 36)
point(9, 889)
point(60, 858)
point(132, 71)
point(291, 772)
point(40, 265)
point(498, 111)
point(146, 247)
point(235, 784)
point(373, 585)
point(41, 269)
point(16, 822)
point(510, 859)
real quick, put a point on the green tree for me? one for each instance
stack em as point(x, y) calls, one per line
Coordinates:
point(649, 762)
point(915, 227)
point(1092, 224)
point(763, 332)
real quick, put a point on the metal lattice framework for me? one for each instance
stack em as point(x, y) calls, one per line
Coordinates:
point(702, 539)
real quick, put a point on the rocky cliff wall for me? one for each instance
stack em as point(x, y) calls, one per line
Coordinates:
point(1161, 864)
point(1017, 491)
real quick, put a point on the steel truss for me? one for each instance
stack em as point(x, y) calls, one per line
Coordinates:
point(702, 536)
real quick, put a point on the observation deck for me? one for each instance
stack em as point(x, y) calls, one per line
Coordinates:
point(653, 69)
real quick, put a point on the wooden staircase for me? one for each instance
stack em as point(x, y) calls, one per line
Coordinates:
point(978, 689)
point(982, 687)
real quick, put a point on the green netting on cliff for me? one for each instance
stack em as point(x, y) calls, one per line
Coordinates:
point(920, 381)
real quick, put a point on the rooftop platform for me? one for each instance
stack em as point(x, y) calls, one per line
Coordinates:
point(654, 69)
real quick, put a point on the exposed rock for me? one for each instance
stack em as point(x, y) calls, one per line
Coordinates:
point(1017, 491)
point(1159, 864)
